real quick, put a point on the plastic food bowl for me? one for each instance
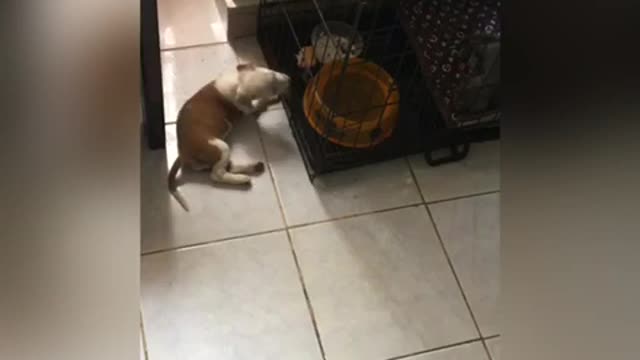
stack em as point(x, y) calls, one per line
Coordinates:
point(357, 117)
point(333, 46)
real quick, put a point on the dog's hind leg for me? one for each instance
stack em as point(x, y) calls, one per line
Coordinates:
point(249, 169)
point(219, 172)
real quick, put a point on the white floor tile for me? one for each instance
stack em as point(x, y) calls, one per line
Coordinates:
point(494, 348)
point(470, 230)
point(478, 173)
point(184, 72)
point(237, 300)
point(375, 187)
point(380, 286)
point(187, 23)
point(473, 351)
point(216, 211)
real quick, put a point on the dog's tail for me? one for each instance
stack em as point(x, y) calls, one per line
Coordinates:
point(173, 187)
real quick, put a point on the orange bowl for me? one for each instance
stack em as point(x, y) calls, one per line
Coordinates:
point(356, 116)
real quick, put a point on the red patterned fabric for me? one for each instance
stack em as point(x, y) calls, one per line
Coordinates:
point(444, 34)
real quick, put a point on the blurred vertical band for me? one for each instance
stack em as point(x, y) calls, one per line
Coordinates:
point(70, 192)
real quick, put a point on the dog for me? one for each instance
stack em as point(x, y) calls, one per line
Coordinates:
point(205, 120)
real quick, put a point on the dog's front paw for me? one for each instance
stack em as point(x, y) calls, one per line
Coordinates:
point(257, 105)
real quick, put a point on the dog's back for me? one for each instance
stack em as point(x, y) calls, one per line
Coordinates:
point(205, 116)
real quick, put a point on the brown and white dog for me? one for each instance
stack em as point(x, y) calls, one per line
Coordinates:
point(205, 120)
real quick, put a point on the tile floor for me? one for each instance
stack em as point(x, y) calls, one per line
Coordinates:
point(396, 260)
point(184, 23)
point(494, 348)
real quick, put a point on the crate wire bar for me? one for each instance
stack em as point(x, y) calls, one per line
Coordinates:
point(285, 29)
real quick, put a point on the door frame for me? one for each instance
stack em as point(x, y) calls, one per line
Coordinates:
point(151, 71)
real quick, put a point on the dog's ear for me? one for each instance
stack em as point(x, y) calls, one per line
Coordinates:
point(247, 66)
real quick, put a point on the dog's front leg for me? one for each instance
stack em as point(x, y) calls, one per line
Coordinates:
point(262, 104)
point(246, 107)
point(259, 105)
point(246, 103)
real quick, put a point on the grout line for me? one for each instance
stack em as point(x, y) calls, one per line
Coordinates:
point(306, 296)
point(298, 226)
point(271, 176)
point(291, 247)
point(455, 274)
point(143, 334)
point(194, 46)
point(446, 254)
point(453, 198)
point(486, 346)
point(460, 197)
point(292, 227)
point(422, 352)
point(207, 243)
point(312, 223)
point(483, 340)
point(415, 180)
point(486, 349)
point(351, 216)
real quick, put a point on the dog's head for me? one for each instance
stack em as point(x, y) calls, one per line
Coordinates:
point(262, 82)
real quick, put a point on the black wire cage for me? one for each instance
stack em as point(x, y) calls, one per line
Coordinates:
point(369, 83)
